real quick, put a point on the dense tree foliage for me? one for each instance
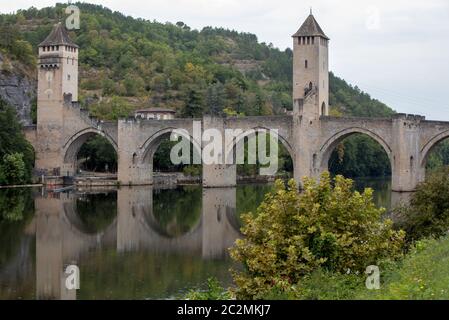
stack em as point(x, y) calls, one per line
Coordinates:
point(427, 215)
point(329, 226)
point(98, 155)
point(129, 63)
point(16, 154)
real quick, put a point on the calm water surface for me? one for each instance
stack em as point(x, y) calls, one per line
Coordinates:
point(132, 243)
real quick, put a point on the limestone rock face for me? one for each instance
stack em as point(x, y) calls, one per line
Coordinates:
point(18, 90)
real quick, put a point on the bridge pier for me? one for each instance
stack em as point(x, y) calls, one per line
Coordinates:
point(217, 175)
point(306, 139)
point(133, 167)
point(407, 171)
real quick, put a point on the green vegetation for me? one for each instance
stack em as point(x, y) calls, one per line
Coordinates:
point(129, 63)
point(439, 156)
point(422, 275)
point(428, 212)
point(98, 155)
point(214, 291)
point(314, 246)
point(16, 154)
point(326, 226)
point(13, 44)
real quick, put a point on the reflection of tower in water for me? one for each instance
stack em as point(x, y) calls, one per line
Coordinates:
point(61, 239)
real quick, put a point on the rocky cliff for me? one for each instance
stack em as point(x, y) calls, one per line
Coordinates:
point(18, 88)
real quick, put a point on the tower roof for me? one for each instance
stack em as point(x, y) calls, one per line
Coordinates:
point(58, 36)
point(310, 28)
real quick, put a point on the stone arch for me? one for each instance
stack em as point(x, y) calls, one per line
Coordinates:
point(149, 148)
point(249, 132)
point(150, 222)
point(430, 145)
point(71, 218)
point(329, 146)
point(73, 145)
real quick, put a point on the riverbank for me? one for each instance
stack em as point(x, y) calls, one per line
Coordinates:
point(22, 186)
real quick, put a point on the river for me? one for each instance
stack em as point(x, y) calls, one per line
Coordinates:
point(131, 243)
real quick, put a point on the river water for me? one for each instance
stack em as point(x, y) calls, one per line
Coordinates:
point(131, 243)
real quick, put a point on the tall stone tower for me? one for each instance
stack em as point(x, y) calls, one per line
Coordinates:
point(57, 84)
point(310, 95)
point(311, 67)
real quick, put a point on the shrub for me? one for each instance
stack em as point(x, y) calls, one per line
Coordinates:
point(294, 234)
point(214, 292)
point(427, 215)
point(421, 275)
point(13, 169)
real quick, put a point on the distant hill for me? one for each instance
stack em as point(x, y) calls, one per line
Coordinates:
point(128, 63)
point(138, 63)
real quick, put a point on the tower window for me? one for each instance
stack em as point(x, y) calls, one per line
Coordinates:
point(323, 109)
point(308, 40)
point(310, 86)
point(313, 40)
point(68, 77)
point(306, 64)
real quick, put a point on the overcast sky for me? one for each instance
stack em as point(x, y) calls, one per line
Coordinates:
point(396, 50)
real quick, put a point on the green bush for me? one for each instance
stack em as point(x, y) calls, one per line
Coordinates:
point(327, 226)
point(192, 170)
point(421, 275)
point(16, 153)
point(214, 291)
point(13, 169)
point(427, 215)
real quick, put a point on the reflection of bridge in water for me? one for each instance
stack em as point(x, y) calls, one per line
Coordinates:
point(61, 238)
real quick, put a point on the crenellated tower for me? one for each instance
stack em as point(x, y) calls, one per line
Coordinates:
point(311, 68)
point(57, 85)
point(310, 95)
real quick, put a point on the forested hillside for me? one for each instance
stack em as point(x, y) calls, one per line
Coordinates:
point(145, 63)
point(128, 63)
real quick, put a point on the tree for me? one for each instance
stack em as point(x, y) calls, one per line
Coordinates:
point(194, 104)
point(327, 226)
point(13, 169)
point(14, 149)
point(215, 99)
point(427, 215)
point(98, 155)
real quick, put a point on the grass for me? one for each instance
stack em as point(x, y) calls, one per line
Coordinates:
point(423, 274)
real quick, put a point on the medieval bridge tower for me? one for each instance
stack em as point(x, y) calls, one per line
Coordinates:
point(309, 135)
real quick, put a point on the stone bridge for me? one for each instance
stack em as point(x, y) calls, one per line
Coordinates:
point(309, 134)
point(406, 139)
